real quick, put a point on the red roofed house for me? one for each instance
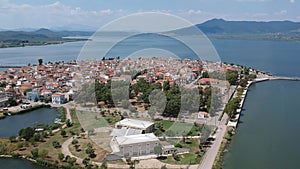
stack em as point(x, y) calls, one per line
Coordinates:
point(208, 80)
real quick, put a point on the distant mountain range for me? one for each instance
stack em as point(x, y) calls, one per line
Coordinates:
point(220, 26)
point(216, 28)
point(248, 30)
point(39, 35)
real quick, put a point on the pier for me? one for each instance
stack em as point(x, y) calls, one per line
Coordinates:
point(284, 78)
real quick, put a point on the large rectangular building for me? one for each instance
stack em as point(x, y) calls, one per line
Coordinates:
point(145, 126)
point(134, 145)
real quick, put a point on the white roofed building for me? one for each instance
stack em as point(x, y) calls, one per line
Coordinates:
point(145, 126)
point(134, 145)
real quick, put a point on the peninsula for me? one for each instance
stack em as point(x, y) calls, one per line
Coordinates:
point(179, 138)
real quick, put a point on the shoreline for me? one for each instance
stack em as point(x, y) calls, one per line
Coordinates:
point(223, 147)
point(27, 110)
point(230, 131)
point(45, 43)
point(39, 162)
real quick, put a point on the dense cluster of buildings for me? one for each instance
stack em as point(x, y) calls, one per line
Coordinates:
point(57, 82)
point(50, 83)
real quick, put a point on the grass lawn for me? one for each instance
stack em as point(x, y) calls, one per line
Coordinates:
point(176, 128)
point(120, 162)
point(47, 144)
point(91, 120)
point(53, 153)
point(185, 159)
point(83, 145)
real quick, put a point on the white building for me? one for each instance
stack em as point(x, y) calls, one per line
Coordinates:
point(134, 145)
point(145, 126)
point(58, 98)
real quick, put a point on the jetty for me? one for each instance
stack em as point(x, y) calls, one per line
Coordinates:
point(284, 78)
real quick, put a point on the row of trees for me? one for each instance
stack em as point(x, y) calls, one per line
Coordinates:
point(167, 100)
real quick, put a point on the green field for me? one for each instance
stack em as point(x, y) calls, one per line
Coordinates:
point(91, 120)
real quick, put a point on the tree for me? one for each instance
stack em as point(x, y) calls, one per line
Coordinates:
point(35, 153)
point(69, 123)
point(3, 148)
point(166, 85)
point(2, 84)
point(43, 154)
point(231, 106)
point(103, 165)
point(61, 156)
point(40, 61)
point(91, 152)
point(75, 141)
point(71, 160)
point(12, 102)
point(232, 77)
point(86, 161)
point(26, 133)
point(246, 70)
point(176, 156)
point(77, 147)
point(252, 76)
point(130, 163)
point(163, 167)
point(205, 75)
point(158, 150)
point(63, 133)
point(55, 144)
point(243, 82)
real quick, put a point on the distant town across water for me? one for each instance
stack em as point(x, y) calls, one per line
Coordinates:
point(279, 58)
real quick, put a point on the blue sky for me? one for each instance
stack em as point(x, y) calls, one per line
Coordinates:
point(95, 13)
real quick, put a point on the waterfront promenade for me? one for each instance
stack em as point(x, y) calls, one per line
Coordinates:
point(211, 154)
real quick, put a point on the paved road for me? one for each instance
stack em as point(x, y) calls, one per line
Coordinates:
point(68, 116)
point(211, 154)
point(65, 150)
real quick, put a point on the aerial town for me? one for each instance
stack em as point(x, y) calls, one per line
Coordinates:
point(132, 128)
point(56, 82)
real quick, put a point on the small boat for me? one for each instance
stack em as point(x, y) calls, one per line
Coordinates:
point(7, 114)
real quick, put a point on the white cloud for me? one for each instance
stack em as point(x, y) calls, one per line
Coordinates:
point(51, 15)
point(58, 14)
point(191, 11)
point(292, 1)
point(281, 13)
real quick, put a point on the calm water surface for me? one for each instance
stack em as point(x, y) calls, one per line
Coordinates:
point(11, 125)
point(8, 163)
point(268, 136)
